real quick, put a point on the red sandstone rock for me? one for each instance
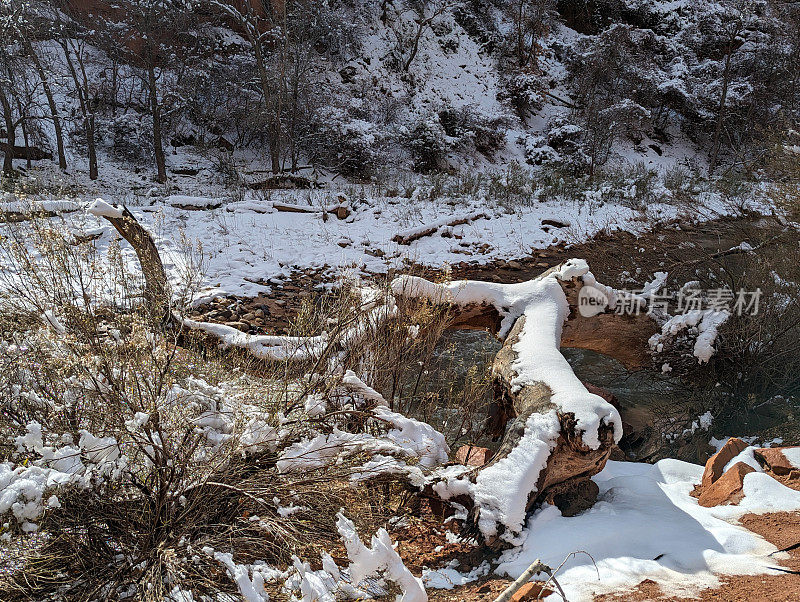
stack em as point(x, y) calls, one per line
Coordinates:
point(470, 455)
point(604, 393)
point(716, 463)
point(531, 591)
point(727, 489)
point(774, 459)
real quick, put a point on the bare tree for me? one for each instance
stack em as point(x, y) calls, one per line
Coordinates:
point(71, 38)
point(409, 35)
point(8, 120)
point(156, 24)
point(735, 22)
point(258, 24)
point(23, 24)
point(51, 103)
point(530, 20)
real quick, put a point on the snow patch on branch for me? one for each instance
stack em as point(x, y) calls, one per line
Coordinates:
point(99, 208)
point(502, 489)
point(706, 323)
point(268, 347)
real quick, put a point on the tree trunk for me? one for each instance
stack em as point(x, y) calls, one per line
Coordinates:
point(8, 117)
point(62, 158)
point(570, 464)
point(82, 88)
point(114, 70)
point(89, 124)
point(415, 46)
point(24, 135)
point(720, 115)
point(263, 76)
point(155, 109)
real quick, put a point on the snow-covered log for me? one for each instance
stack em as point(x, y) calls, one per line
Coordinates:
point(406, 237)
point(556, 434)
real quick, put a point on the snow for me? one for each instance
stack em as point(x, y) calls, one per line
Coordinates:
point(404, 438)
point(355, 384)
point(746, 456)
point(705, 420)
point(499, 489)
point(99, 208)
point(26, 489)
point(381, 557)
point(449, 577)
point(252, 590)
point(315, 586)
point(196, 202)
point(247, 247)
point(793, 455)
point(418, 439)
point(655, 285)
point(645, 525)
point(36, 206)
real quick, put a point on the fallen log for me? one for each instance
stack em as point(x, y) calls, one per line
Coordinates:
point(341, 209)
point(291, 208)
point(406, 237)
point(555, 433)
point(31, 152)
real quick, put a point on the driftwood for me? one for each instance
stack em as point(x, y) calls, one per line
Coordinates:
point(340, 209)
point(290, 208)
point(565, 479)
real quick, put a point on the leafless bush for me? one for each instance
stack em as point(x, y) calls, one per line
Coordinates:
point(141, 449)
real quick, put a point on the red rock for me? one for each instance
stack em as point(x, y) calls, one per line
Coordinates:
point(716, 463)
point(473, 456)
point(533, 590)
point(604, 393)
point(774, 459)
point(727, 489)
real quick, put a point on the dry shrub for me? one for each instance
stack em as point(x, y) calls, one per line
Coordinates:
point(757, 359)
point(403, 355)
point(176, 444)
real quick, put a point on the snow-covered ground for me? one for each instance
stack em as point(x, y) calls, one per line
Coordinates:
point(247, 245)
point(645, 525)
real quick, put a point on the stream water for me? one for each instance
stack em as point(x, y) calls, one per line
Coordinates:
point(649, 400)
point(463, 355)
